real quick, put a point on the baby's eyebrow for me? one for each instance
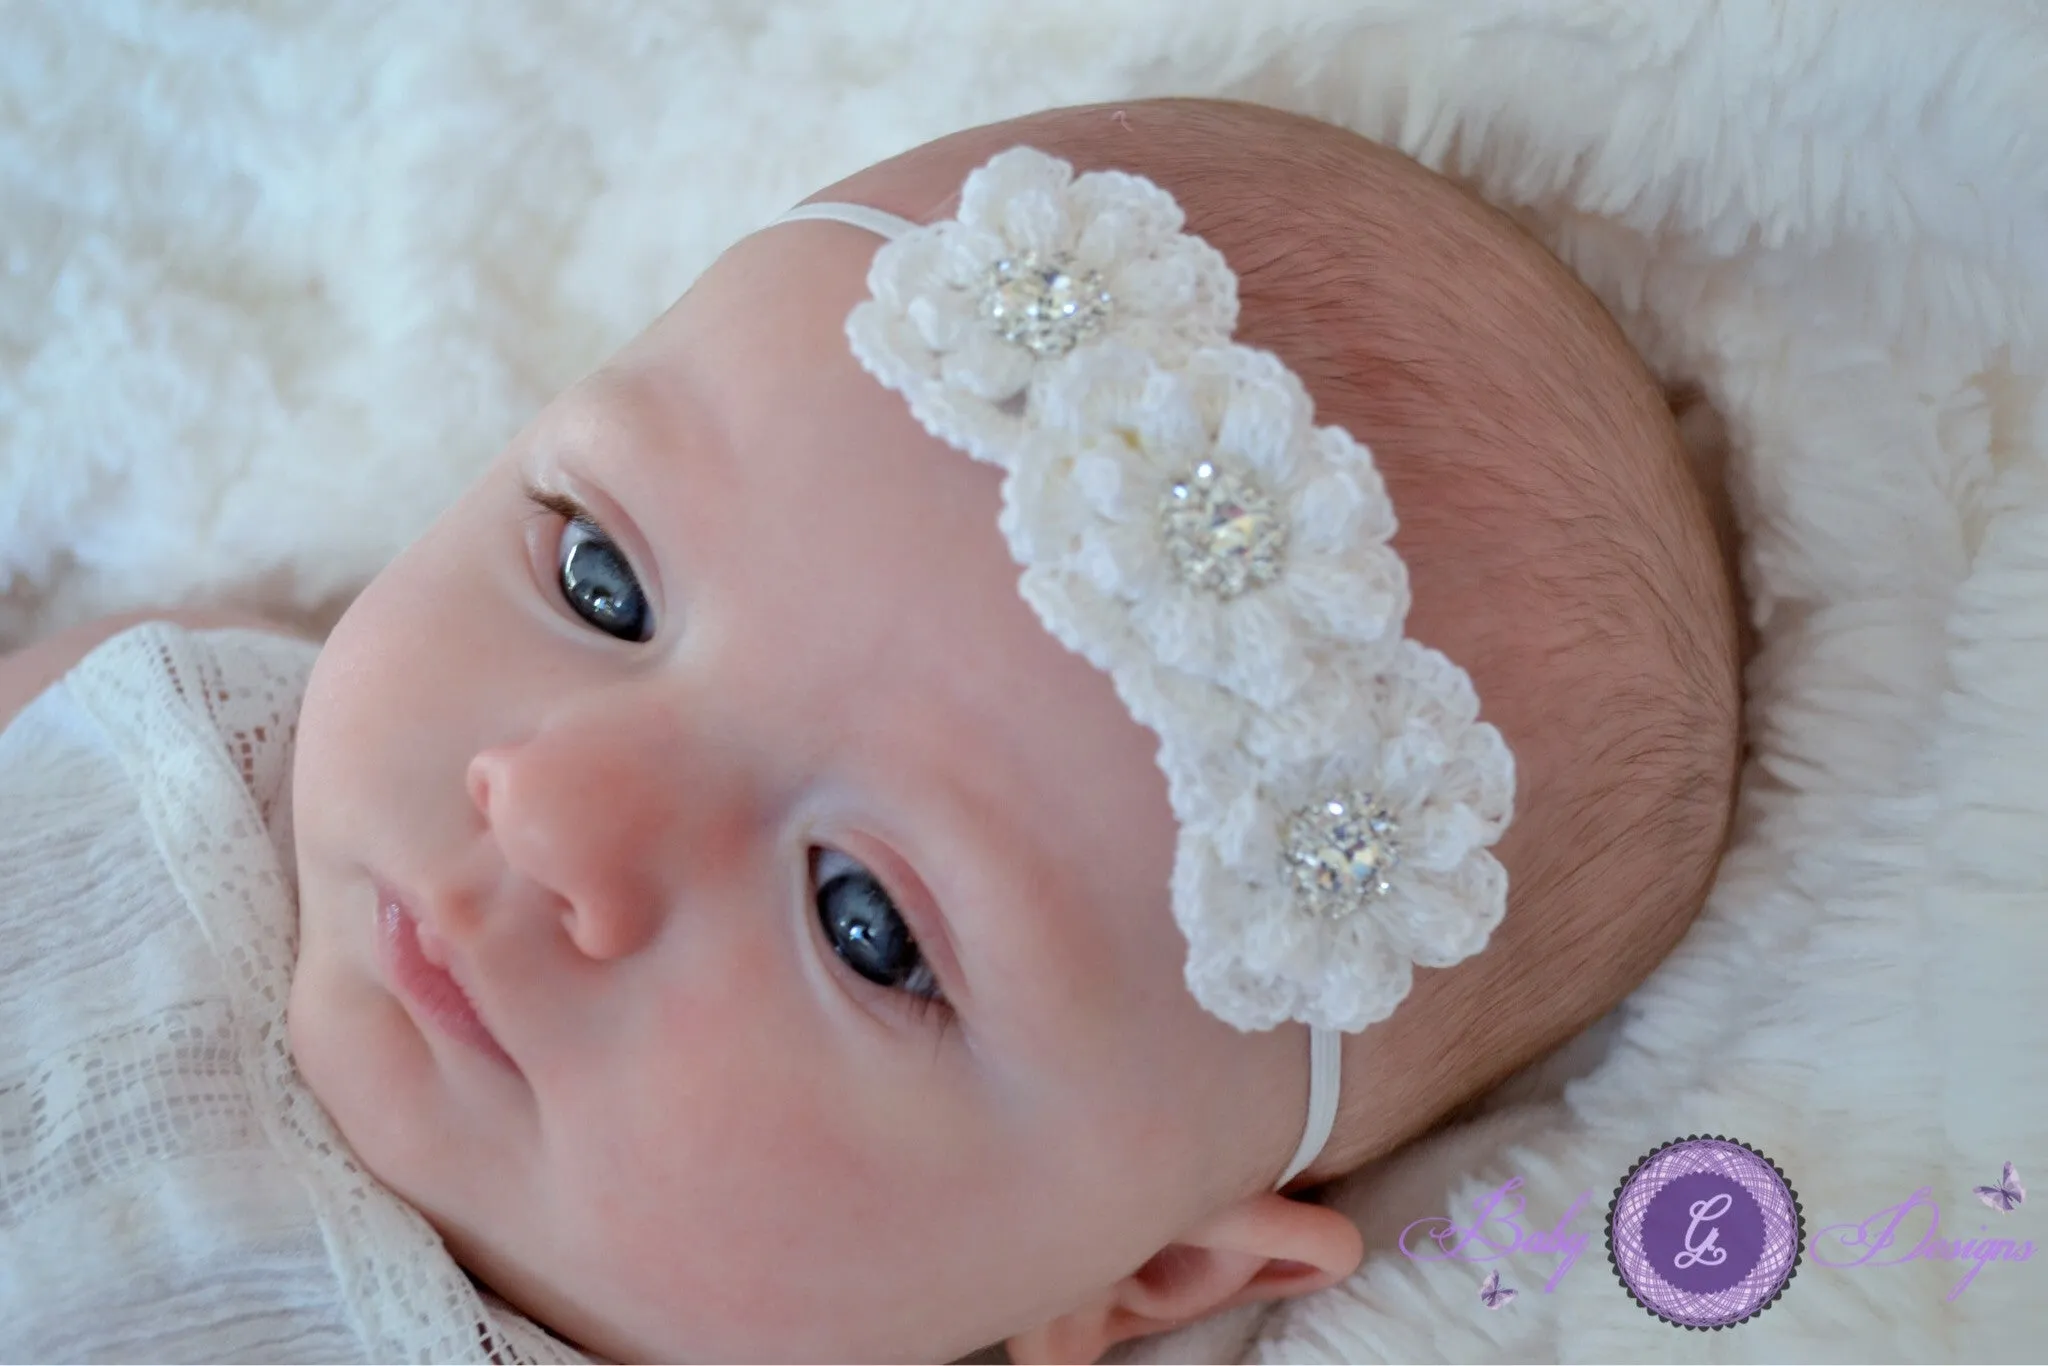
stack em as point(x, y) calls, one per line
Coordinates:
point(625, 427)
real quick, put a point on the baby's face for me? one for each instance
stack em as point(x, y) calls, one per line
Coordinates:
point(816, 898)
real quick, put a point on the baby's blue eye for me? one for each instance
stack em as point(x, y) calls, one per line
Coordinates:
point(862, 926)
point(598, 584)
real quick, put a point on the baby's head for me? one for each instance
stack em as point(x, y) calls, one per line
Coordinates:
point(817, 900)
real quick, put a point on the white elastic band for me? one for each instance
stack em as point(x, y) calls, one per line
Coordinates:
point(1325, 1046)
point(859, 215)
point(1325, 1080)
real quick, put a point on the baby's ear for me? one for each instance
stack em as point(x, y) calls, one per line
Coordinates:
point(1264, 1247)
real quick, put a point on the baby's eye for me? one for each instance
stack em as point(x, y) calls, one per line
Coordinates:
point(863, 928)
point(599, 584)
point(595, 579)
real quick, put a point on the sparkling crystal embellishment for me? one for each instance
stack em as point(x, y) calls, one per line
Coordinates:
point(1338, 852)
point(1223, 532)
point(1037, 302)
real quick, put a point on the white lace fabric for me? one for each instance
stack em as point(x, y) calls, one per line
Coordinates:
point(170, 1190)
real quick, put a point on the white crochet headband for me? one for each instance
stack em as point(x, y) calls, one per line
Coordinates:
point(1184, 526)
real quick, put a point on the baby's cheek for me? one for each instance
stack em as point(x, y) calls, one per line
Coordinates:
point(716, 1185)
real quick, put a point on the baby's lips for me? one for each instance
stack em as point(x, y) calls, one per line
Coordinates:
point(432, 947)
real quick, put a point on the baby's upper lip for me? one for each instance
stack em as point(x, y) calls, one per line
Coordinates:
point(437, 949)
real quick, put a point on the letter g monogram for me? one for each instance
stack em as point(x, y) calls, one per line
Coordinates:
point(1707, 1252)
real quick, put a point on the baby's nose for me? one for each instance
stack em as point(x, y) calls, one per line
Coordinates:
point(593, 809)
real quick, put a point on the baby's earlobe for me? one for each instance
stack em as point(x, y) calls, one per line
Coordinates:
point(1264, 1247)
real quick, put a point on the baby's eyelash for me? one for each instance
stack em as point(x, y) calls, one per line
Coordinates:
point(922, 1007)
point(561, 504)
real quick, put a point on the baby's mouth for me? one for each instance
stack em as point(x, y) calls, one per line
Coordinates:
point(416, 963)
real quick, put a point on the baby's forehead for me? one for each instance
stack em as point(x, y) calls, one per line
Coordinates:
point(758, 340)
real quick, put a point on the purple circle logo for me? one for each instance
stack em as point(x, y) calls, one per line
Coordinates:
point(1705, 1232)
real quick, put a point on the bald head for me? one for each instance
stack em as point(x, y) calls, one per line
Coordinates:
point(1560, 548)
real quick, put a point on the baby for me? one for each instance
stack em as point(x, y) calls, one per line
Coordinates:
point(741, 929)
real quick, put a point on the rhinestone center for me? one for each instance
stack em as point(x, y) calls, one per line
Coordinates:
point(1338, 851)
point(1222, 531)
point(1040, 303)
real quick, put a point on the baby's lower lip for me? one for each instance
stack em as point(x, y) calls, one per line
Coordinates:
point(431, 993)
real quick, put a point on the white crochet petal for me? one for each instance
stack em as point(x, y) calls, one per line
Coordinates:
point(1038, 223)
point(983, 432)
point(1145, 575)
point(1092, 392)
point(938, 325)
point(1337, 452)
point(1121, 563)
point(1354, 990)
point(888, 347)
point(1410, 761)
point(1431, 685)
point(1135, 216)
point(1243, 832)
point(986, 366)
point(1185, 292)
point(1321, 718)
point(1172, 434)
point(1041, 505)
point(961, 261)
point(1102, 243)
point(1299, 733)
point(1362, 602)
point(1103, 481)
point(1450, 918)
point(1244, 950)
point(1438, 836)
point(1329, 511)
point(1097, 562)
point(1161, 285)
point(1012, 187)
point(1199, 731)
point(1267, 418)
point(905, 269)
point(1487, 774)
point(1261, 655)
point(1182, 632)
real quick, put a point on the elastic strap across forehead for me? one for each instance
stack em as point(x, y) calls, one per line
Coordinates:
point(1326, 1054)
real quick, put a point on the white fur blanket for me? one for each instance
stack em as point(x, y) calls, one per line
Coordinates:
point(276, 279)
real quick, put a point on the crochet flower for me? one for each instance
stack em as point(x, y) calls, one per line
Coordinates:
point(1344, 862)
point(1234, 536)
point(967, 313)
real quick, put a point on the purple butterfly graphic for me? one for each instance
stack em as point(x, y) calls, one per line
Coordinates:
point(2008, 1195)
point(1490, 1291)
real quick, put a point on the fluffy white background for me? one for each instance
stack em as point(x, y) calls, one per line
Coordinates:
point(276, 279)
